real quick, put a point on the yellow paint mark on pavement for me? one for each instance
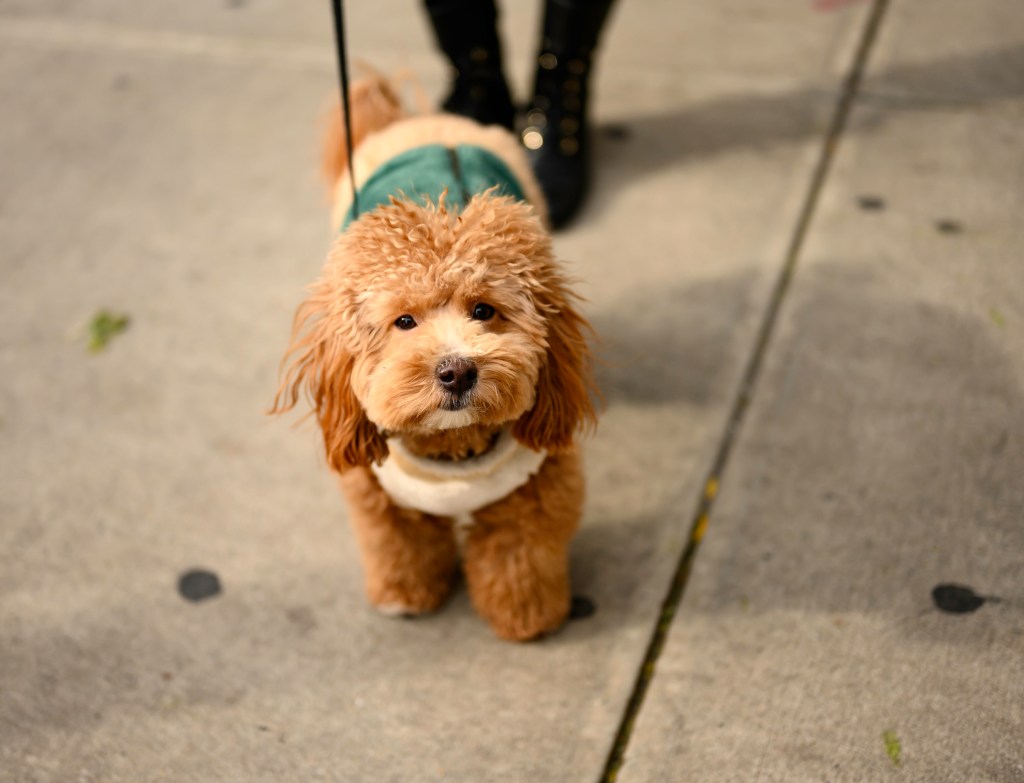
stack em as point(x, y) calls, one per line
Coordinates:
point(711, 488)
point(700, 529)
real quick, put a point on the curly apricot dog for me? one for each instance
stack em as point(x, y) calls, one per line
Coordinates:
point(448, 368)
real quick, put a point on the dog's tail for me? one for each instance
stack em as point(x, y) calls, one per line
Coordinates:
point(375, 105)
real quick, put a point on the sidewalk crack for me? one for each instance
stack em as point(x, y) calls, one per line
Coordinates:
point(701, 516)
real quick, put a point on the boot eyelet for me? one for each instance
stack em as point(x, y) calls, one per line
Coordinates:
point(548, 61)
point(569, 146)
point(536, 119)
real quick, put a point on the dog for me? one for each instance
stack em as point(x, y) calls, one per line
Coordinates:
point(446, 362)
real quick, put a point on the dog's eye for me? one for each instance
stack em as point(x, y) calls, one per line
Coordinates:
point(483, 312)
point(405, 322)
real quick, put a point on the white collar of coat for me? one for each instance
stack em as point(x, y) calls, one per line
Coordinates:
point(451, 489)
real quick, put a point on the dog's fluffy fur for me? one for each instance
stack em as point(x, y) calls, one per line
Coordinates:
point(369, 381)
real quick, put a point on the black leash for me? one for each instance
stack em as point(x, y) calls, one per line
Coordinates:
point(339, 38)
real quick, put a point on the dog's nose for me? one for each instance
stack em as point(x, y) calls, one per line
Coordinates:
point(457, 376)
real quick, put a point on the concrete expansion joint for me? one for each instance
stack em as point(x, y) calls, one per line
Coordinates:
point(747, 386)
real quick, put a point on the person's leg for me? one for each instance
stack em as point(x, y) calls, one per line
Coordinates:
point(556, 132)
point(467, 33)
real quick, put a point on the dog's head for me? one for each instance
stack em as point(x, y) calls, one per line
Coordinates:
point(426, 319)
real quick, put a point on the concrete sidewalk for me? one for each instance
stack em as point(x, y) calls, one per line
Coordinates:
point(160, 161)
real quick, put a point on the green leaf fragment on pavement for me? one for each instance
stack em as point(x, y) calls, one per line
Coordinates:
point(893, 748)
point(997, 317)
point(103, 327)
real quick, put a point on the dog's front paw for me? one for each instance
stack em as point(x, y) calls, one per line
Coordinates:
point(409, 594)
point(397, 610)
point(522, 595)
point(522, 618)
point(528, 621)
point(403, 601)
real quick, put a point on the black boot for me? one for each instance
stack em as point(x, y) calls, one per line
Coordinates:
point(467, 32)
point(556, 133)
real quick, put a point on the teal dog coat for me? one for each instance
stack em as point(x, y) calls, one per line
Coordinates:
point(426, 172)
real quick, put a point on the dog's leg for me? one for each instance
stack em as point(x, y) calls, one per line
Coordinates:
point(517, 552)
point(410, 559)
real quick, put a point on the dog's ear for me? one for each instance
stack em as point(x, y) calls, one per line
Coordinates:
point(318, 366)
point(563, 403)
